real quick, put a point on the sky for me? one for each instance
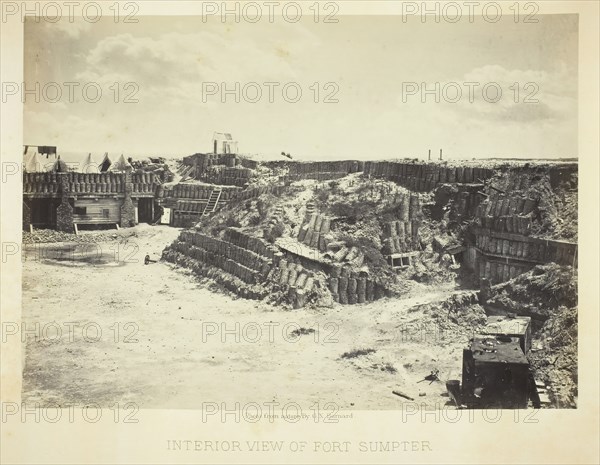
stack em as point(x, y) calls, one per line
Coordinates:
point(360, 81)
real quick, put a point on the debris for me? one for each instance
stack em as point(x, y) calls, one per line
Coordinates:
point(433, 376)
point(401, 394)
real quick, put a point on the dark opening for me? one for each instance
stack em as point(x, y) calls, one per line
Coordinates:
point(96, 226)
point(146, 210)
point(43, 212)
point(399, 262)
point(80, 211)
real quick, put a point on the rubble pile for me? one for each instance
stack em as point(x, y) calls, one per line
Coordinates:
point(335, 256)
point(554, 357)
point(352, 229)
point(51, 235)
point(548, 294)
point(461, 308)
point(537, 293)
point(232, 176)
point(541, 200)
point(248, 266)
point(156, 165)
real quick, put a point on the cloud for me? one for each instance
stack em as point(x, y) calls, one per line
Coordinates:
point(527, 96)
point(174, 65)
point(169, 62)
point(492, 94)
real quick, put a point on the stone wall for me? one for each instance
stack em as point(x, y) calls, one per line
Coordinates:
point(402, 235)
point(183, 219)
point(246, 265)
point(128, 207)
point(319, 170)
point(350, 288)
point(239, 262)
point(188, 201)
point(257, 191)
point(424, 177)
point(221, 168)
point(503, 235)
point(227, 176)
point(64, 216)
point(195, 192)
point(503, 255)
point(127, 213)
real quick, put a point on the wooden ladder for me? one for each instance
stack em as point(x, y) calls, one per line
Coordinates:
point(213, 200)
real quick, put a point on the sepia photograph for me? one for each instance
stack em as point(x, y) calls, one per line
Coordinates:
point(282, 213)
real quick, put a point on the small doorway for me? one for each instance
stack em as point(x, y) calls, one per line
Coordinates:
point(146, 210)
point(43, 212)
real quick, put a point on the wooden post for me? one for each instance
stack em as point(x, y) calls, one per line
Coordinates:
point(440, 154)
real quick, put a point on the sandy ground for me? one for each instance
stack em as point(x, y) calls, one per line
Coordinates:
point(171, 350)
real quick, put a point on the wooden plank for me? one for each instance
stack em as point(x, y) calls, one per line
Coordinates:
point(509, 259)
point(520, 237)
point(402, 255)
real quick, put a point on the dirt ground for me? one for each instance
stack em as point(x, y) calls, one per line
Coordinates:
point(175, 354)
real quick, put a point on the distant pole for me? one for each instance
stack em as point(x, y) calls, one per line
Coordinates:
point(440, 154)
point(429, 158)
